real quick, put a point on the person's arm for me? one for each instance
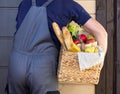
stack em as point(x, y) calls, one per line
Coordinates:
point(94, 27)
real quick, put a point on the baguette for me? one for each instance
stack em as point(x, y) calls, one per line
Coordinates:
point(69, 41)
point(59, 35)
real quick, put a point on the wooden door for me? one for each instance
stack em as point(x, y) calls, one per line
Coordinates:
point(117, 50)
point(105, 15)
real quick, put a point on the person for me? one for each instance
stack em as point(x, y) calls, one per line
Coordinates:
point(30, 74)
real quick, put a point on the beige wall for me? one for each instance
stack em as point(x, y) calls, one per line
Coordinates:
point(76, 89)
point(89, 5)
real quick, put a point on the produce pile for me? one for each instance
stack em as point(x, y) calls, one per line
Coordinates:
point(74, 38)
point(83, 40)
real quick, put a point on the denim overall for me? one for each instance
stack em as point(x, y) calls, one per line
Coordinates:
point(33, 60)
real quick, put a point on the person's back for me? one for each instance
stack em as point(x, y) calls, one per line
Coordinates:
point(35, 73)
point(32, 67)
point(60, 11)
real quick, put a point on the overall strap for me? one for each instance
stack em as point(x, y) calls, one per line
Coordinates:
point(47, 3)
point(33, 2)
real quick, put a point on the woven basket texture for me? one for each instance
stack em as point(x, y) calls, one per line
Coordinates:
point(69, 71)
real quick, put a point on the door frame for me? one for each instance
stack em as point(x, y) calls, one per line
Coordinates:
point(117, 50)
point(105, 15)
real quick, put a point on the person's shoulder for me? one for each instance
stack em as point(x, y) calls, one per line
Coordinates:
point(63, 2)
point(76, 4)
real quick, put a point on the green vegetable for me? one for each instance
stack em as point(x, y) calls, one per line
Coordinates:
point(74, 37)
point(73, 27)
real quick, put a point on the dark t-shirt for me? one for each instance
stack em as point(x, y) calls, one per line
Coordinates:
point(60, 11)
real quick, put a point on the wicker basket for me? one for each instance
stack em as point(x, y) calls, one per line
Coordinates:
point(69, 71)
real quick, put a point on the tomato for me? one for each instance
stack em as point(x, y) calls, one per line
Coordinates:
point(76, 41)
point(83, 37)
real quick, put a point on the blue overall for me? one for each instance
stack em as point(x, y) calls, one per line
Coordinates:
point(60, 11)
point(32, 67)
